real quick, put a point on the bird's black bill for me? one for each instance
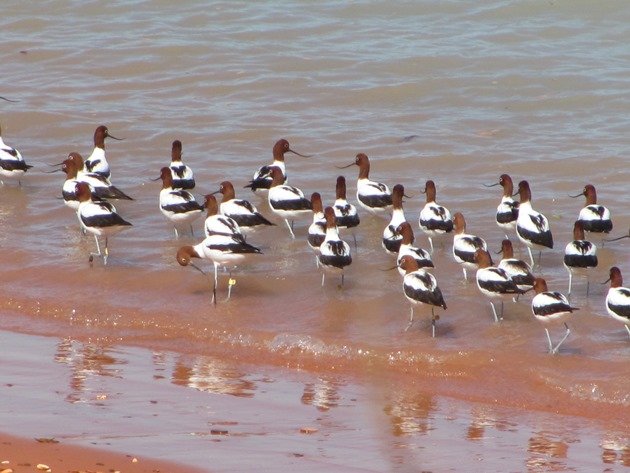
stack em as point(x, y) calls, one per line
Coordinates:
point(303, 155)
point(345, 167)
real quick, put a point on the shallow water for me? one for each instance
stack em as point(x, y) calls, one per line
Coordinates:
point(429, 90)
point(220, 415)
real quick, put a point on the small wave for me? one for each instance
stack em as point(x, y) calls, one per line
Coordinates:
point(286, 343)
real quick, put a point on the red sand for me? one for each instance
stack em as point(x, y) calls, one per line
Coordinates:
point(27, 455)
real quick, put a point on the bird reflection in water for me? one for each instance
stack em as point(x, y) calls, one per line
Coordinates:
point(546, 453)
point(483, 418)
point(616, 450)
point(87, 362)
point(323, 394)
point(211, 375)
point(410, 413)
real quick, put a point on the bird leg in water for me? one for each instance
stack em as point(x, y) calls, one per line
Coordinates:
point(553, 350)
point(290, 226)
point(410, 320)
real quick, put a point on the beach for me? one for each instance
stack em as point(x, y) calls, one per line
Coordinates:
point(107, 404)
point(21, 454)
point(133, 358)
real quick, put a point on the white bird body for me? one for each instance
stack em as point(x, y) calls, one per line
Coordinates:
point(12, 165)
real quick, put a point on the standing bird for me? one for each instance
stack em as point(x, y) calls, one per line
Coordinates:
point(222, 250)
point(532, 227)
point(98, 218)
point(373, 196)
point(579, 255)
point(420, 287)
point(177, 205)
point(217, 224)
point(391, 239)
point(435, 220)
point(422, 257)
point(241, 211)
point(69, 188)
point(594, 217)
point(346, 213)
point(465, 245)
point(518, 270)
point(286, 201)
point(97, 162)
point(334, 253)
point(507, 210)
point(100, 186)
point(618, 298)
point(262, 179)
point(317, 229)
point(12, 165)
point(183, 176)
point(551, 307)
point(494, 282)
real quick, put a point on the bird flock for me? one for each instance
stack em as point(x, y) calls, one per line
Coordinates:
point(88, 190)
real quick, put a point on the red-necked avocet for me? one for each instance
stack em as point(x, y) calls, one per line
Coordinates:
point(420, 287)
point(218, 224)
point(518, 270)
point(317, 229)
point(286, 201)
point(435, 220)
point(183, 176)
point(549, 306)
point(346, 213)
point(334, 253)
point(100, 186)
point(532, 227)
point(12, 165)
point(465, 245)
point(97, 162)
point(391, 239)
point(262, 179)
point(494, 282)
point(98, 218)
point(579, 255)
point(595, 218)
point(422, 257)
point(373, 196)
point(507, 210)
point(222, 250)
point(618, 298)
point(177, 205)
point(242, 211)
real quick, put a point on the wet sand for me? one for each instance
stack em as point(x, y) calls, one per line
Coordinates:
point(131, 357)
point(213, 415)
point(21, 455)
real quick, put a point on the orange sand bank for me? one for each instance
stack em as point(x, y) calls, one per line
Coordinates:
point(28, 455)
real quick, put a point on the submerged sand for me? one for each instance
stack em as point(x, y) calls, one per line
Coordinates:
point(206, 414)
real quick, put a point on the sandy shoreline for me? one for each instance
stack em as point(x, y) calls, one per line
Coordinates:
point(21, 455)
point(208, 414)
